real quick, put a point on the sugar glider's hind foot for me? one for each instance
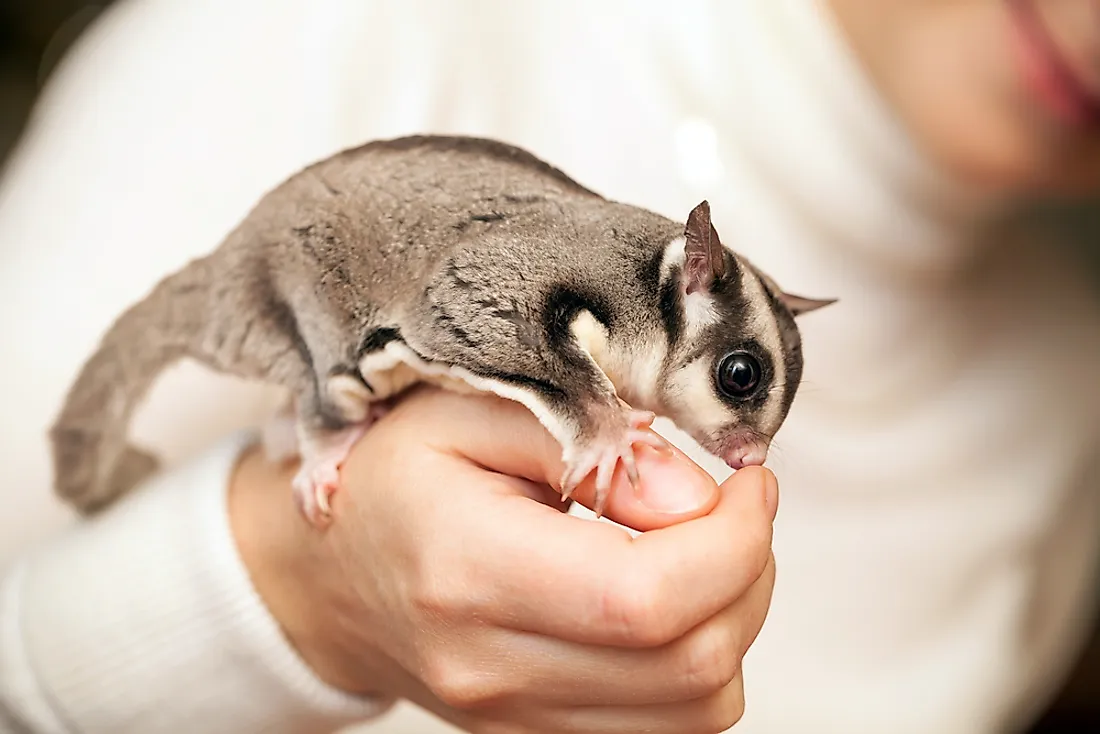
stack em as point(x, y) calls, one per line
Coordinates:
point(323, 453)
point(603, 453)
point(318, 478)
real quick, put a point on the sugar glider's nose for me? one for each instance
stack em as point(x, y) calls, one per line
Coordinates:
point(746, 451)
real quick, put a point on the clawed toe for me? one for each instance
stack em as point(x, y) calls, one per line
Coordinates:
point(319, 476)
point(604, 456)
point(313, 486)
point(650, 439)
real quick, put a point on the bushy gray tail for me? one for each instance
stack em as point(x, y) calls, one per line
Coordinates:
point(92, 460)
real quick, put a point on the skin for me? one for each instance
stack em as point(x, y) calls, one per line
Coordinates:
point(951, 71)
point(493, 607)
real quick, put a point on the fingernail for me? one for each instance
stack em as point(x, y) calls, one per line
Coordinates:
point(672, 487)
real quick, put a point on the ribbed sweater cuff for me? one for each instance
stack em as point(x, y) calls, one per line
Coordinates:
point(145, 620)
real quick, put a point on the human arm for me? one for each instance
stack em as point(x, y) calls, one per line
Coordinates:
point(489, 605)
point(145, 620)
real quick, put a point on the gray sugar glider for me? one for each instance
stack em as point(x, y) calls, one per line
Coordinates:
point(467, 263)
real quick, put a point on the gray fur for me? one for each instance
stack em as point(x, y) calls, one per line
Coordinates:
point(473, 253)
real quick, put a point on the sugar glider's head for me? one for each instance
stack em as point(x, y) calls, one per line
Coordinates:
point(735, 356)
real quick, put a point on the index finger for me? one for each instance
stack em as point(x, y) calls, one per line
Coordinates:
point(591, 582)
point(512, 441)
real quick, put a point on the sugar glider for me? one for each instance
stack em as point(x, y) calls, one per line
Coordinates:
point(468, 263)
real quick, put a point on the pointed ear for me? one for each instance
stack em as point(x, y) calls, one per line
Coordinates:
point(704, 256)
point(800, 305)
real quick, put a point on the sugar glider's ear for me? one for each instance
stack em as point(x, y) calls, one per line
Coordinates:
point(799, 305)
point(704, 256)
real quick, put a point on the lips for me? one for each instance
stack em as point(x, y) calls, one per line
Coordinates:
point(1048, 72)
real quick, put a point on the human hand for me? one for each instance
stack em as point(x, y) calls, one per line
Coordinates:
point(441, 581)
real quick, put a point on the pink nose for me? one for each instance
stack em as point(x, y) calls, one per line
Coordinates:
point(746, 452)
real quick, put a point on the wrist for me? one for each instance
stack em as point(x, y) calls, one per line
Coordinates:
point(293, 571)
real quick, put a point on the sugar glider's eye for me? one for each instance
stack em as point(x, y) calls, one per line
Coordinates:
point(738, 374)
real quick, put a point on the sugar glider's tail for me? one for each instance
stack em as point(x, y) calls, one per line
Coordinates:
point(93, 461)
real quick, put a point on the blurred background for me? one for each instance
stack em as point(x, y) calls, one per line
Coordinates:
point(34, 35)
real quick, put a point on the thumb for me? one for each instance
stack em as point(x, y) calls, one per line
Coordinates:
point(511, 441)
point(671, 489)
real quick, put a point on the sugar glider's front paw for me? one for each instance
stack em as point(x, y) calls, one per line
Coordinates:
point(603, 453)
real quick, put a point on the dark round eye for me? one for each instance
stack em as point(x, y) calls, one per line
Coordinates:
point(739, 374)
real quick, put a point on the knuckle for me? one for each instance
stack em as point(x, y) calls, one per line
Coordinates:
point(635, 610)
point(437, 592)
point(711, 658)
point(459, 686)
point(431, 604)
point(725, 708)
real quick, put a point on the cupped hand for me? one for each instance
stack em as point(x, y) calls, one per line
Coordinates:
point(451, 577)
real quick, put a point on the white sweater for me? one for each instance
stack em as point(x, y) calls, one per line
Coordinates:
point(938, 534)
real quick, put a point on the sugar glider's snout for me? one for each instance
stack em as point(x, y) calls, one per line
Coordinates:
point(744, 448)
point(738, 445)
